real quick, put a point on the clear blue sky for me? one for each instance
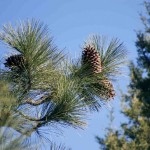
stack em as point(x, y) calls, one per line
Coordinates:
point(70, 22)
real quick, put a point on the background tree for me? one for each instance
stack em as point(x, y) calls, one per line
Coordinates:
point(135, 134)
point(40, 88)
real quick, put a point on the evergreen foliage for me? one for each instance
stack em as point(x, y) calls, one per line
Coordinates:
point(135, 134)
point(40, 89)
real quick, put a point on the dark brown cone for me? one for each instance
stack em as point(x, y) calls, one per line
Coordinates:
point(15, 61)
point(91, 56)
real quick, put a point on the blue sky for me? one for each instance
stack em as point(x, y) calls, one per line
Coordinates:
point(71, 22)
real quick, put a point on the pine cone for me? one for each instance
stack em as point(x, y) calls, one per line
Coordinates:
point(91, 56)
point(15, 62)
point(108, 88)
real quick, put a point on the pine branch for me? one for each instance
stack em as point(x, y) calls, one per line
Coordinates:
point(27, 116)
point(40, 101)
point(36, 69)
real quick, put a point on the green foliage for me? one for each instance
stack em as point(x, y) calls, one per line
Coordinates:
point(112, 54)
point(41, 89)
point(31, 40)
point(135, 134)
point(91, 85)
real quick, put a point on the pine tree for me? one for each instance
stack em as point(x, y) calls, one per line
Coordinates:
point(40, 89)
point(135, 134)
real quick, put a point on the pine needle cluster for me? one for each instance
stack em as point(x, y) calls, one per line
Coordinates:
point(46, 89)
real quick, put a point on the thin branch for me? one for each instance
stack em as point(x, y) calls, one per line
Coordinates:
point(40, 101)
point(27, 117)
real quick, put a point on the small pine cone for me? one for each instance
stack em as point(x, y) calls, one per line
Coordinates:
point(15, 61)
point(91, 56)
point(108, 86)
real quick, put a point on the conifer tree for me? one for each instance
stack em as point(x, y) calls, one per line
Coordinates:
point(40, 89)
point(135, 134)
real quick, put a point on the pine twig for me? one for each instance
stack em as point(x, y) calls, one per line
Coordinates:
point(40, 101)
